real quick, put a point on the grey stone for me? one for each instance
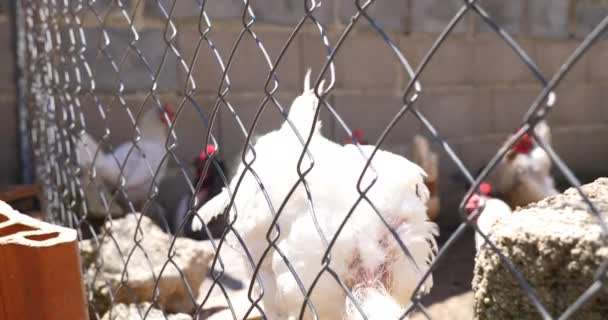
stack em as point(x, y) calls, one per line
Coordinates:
point(434, 15)
point(117, 252)
point(235, 281)
point(391, 15)
point(506, 14)
point(548, 18)
point(557, 246)
point(588, 14)
point(137, 311)
point(99, 200)
point(141, 60)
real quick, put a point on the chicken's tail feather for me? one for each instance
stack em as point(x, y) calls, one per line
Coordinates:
point(307, 81)
point(375, 302)
point(211, 209)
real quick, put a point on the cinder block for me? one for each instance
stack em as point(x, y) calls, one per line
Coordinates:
point(461, 113)
point(510, 106)
point(248, 68)
point(577, 105)
point(137, 68)
point(102, 8)
point(371, 114)
point(588, 14)
point(225, 9)
point(315, 53)
point(602, 106)
point(557, 247)
point(265, 11)
point(597, 56)
point(25, 241)
point(551, 55)
point(290, 12)
point(548, 18)
point(508, 15)
point(452, 63)
point(495, 62)
point(434, 15)
point(391, 15)
point(364, 61)
point(7, 68)
point(10, 170)
point(583, 149)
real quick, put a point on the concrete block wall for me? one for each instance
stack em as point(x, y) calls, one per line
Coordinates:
point(475, 89)
point(9, 142)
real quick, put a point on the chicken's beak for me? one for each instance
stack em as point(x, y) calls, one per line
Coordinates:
point(473, 204)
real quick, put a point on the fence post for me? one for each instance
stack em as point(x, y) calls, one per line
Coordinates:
point(40, 272)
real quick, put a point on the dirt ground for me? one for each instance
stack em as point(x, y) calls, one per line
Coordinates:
point(451, 297)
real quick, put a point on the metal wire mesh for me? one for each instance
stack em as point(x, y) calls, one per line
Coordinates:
point(59, 78)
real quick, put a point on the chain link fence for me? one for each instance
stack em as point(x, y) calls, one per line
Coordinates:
point(323, 239)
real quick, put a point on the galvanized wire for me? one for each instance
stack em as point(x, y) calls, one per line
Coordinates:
point(57, 77)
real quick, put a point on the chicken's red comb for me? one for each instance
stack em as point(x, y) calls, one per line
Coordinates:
point(357, 134)
point(485, 188)
point(210, 150)
point(169, 110)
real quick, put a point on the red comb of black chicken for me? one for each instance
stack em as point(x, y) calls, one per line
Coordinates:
point(358, 135)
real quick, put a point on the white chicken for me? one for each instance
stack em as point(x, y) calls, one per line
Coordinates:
point(492, 210)
point(149, 150)
point(365, 254)
point(524, 175)
point(95, 193)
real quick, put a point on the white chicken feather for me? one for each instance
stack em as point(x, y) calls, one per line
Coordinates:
point(365, 254)
point(492, 211)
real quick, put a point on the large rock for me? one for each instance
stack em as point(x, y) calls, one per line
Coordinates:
point(126, 262)
point(556, 244)
point(235, 282)
point(141, 311)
